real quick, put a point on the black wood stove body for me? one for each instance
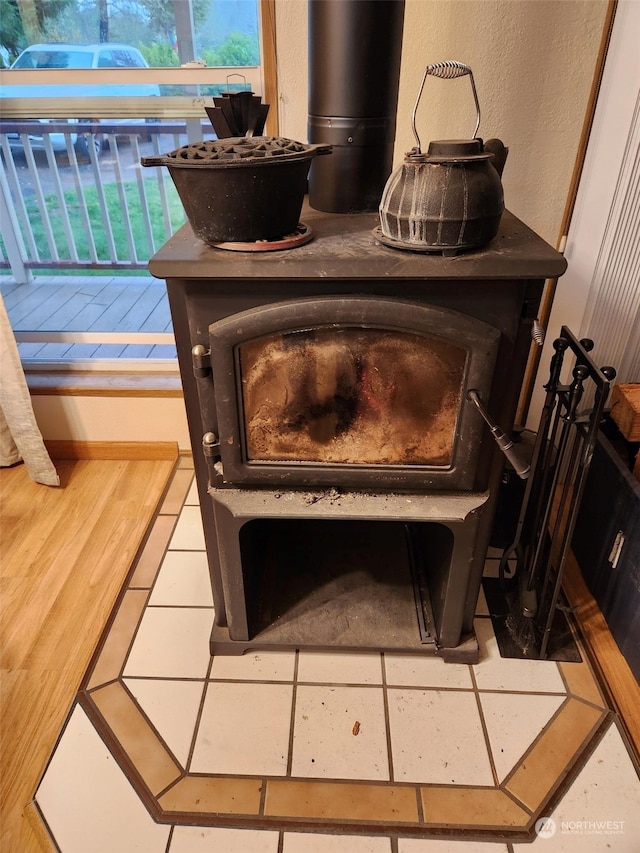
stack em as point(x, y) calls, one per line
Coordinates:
point(347, 484)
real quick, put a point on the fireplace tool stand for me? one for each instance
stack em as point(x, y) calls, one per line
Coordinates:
point(561, 458)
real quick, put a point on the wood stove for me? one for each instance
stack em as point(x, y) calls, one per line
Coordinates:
point(347, 484)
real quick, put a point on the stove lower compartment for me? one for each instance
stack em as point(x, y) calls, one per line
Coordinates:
point(329, 570)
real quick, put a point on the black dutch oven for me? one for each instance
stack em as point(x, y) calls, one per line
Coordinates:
point(242, 189)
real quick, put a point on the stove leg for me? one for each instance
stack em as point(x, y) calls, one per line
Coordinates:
point(467, 651)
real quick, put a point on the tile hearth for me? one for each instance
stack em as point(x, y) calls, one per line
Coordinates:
point(167, 749)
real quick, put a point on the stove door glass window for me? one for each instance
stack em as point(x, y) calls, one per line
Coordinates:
point(352, 395)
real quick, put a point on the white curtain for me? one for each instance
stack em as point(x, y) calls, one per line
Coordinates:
point(20, 438)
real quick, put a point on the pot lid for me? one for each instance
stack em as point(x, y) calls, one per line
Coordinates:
point(239, 151)
point(450, 150)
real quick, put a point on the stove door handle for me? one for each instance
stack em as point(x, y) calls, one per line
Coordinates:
point(521, 466)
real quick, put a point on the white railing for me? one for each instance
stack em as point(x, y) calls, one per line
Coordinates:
point(89, 205)
point(70, 208)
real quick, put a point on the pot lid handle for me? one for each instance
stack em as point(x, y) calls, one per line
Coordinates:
point(447, 70)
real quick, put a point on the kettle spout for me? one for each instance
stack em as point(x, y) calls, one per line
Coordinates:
point(499, 151)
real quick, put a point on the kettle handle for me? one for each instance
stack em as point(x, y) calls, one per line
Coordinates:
point(447, 70)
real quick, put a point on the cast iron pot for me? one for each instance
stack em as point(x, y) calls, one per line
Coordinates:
point(242, 189)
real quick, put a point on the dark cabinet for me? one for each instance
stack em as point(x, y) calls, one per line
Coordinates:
point(606, 544)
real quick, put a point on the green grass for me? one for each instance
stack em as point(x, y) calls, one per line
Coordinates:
point(118, 224)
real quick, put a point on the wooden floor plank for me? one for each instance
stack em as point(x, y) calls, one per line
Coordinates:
point(64, 555)
point(66, 316)
point(36, 317)
point(143, 308)
point(126, 296)
point(84, 303)
point(160, 317)
point(22, 300)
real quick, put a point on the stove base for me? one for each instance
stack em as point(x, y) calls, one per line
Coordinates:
point(387, 572)
point(467, 652)
point(321, 584)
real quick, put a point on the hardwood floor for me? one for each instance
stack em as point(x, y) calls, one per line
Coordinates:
point(64, 554)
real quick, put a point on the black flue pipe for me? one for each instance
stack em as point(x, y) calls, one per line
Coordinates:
point(354, 72)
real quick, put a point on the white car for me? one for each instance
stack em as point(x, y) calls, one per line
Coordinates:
point(107, 55)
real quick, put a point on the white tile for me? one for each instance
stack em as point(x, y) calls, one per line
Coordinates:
point(425, 671)
point(600, 811)
point(192, 498)
point(494, 553)
point(171, 642)
point(340, 733)
point(244, 729)
point(188, 534)
point(255, 666)
point(340, 667)
point(437, 737)
point(172, 707)
point(491, 568)
point(431, 845)
point(203, 839)
point(497, 673)
point(83, 789)
point(513, 721)
point(492, 565)
point(304, 842)
point(183, 580)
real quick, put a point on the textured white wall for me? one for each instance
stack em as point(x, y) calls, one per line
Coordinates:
point(533, 63)
point(146, 419)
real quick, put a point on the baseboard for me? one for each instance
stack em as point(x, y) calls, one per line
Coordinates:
point(126, 450)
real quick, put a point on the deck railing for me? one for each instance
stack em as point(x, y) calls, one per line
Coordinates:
point(89, 204)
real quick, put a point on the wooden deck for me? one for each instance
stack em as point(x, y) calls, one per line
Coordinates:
point(94, 304)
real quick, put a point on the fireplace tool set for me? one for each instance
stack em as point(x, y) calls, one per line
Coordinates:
point(562, 454)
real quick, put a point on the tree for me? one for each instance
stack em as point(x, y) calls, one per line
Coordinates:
point(23, 22)
point(103, 21)
point(162, 17)
point(238, 49)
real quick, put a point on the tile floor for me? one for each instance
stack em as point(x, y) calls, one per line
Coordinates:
point(168, 750)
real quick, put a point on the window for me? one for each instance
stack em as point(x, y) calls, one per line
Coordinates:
point(92, 86)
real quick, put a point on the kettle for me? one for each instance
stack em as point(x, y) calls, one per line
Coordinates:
point(447, 200)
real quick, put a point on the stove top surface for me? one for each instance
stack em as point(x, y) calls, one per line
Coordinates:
point(344, 246)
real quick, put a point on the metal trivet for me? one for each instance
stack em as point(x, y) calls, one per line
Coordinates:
point(299, 237)
point(424, 248)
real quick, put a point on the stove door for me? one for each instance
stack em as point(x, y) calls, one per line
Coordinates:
point(351, 392)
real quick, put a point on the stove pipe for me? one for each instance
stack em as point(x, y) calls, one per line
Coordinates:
point(354, 71)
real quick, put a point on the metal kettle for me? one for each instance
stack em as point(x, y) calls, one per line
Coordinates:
point(449, 199)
